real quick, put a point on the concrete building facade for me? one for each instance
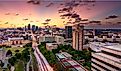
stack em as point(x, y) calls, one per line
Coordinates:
point(15, 41)
point(107, 57)
point(51, 39)
point(78, 37)
point(50, 46)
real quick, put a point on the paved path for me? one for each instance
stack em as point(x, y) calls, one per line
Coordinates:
point(12, 68)
point(42, 62)
point(28, 64)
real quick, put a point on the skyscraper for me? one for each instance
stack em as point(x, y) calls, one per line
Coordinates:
point(37, 28)
point(25, 28)
point(33, 28)
point(68, 31)
point(78, 37)
point(29, 27)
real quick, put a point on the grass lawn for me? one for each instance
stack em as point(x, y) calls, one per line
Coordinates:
point(13, 49)
point(19, 66)
point(7, 70)
point(0, 69)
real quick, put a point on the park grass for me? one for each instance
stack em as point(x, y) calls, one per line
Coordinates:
point(19, 66)
point(13, 49)
point(0, 69)
point(7, 70)
point(4, 69)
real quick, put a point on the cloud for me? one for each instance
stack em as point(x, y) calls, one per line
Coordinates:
point(94, 21)
point(75, 16)
point(50, 4)
point(33, 1)
point(45, 23)
point(6, 23)
point(47, 20)
point(69, 14)
point(112, 17)
point(7, 13)
point(84, 20)
point(25, 19)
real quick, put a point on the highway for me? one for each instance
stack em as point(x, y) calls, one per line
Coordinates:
point(43, 64)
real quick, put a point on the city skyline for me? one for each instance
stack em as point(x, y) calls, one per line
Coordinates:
point(60, 35)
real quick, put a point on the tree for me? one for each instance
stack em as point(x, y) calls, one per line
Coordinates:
point(16, 50)
point(43, 43)
point(18, 55)
point(12, 60)
point(1, 63)
point(28, 45)
point(55, 51)
point(9, 53)
point(25, 55)
point(8, 46)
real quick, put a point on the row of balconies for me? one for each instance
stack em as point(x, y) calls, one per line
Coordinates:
point(101, 69)
point(106, 59)
point(101, 39)
point(112, 51)
point(102, 64)
point(110, 57)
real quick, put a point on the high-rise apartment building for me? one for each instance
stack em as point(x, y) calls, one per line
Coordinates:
point(107, 57)
point(78, 37)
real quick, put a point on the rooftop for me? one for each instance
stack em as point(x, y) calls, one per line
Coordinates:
point(114, 47)
point(70, 63)
point(66, 54)
point(60, 56)
point(16, 38)
point(98, 45)
point(51, 44)
point(109, 57)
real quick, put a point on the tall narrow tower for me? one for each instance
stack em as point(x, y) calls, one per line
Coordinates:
point(29, 27)
point(78, 37)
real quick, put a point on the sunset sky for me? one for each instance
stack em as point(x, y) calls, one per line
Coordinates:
point(14, 12)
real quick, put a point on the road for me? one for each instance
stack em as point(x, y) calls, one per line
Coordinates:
point(43, 64)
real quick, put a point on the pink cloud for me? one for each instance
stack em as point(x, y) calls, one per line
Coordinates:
point(99, 9)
